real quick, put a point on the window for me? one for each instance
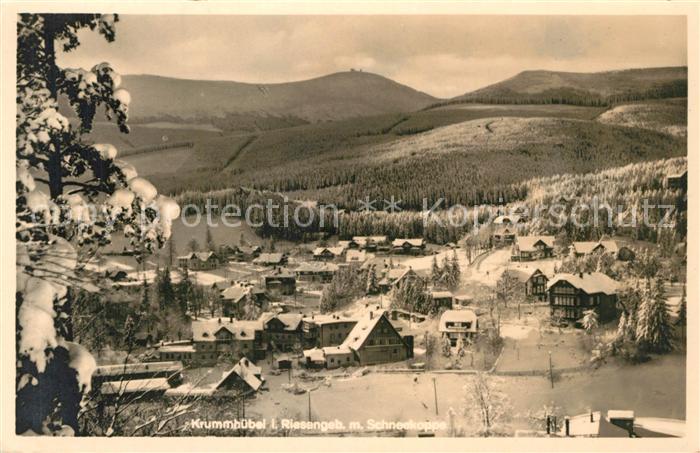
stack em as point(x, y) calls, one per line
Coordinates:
point(371, 342)
point(396, 351)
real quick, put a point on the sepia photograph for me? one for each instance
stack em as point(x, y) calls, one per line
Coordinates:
point(327, 223)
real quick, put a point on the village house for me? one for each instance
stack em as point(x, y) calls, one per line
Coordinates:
point(212, 337)
point(456, 324)
point(326, 330)
point(374, 340)
point(328, 253)
point(372, 243)
point(357, 257)
point(349, 245)
point(228, 252)
point(678, 181)
point(283, 331)
point(281, 282)
point(248, 252)
point(528, 248)
point(394, 277)
point(503, 234)
point(442, 299)
point(586, 248)
point(198, 261)
point(233, 299)
point(461, 302)
point(408, 246)
point(533, 281)
point(569, 295)
point(338, 356)
point(316, 272)
point(271, 259)
point(245, 378)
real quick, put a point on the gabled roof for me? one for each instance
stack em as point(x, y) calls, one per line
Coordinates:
point(206, 329)
point(417, 242)
point(201, 256)
point(463, 315)
point(364, 327)
point(528, 243)
point(398, 273)
point(249, 249)
point(335, 251)
point(235, 293)
point(291, 321)
point(587, 247)
point(590, 283)
point(247, 371)
point(523, 274)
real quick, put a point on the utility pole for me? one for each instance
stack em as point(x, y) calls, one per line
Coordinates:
point(551, 372)
point(435, 393)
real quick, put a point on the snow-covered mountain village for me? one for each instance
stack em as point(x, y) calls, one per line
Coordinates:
point(345, 255)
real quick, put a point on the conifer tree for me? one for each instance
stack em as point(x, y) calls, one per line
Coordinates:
point(654, 331)
point(435, 272)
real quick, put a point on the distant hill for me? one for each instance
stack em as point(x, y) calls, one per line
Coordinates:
point(598, 88)
point(332, 97)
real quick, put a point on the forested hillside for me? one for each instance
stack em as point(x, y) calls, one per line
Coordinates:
point(601, 88)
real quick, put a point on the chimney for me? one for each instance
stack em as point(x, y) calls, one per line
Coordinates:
point(591, 416)
point(219, 320)
point(580, 274)
point(566, 426)
point(371, 314)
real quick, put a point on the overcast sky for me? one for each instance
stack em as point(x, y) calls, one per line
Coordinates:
point(442, 55)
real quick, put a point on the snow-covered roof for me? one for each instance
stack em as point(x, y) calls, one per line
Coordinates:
point(440, 294)
point(590, 283)
point(649, 426)
point(340, 349)
point(356, 256)
point(135, 385)
point(291, 321)
point(587, 247)
point(235, 292)
point(269, 258)
point(206, 329)
point(314, 355)
point(317, 267)
point(460, 316)
point(523, 274)
point(176, 348)
point(134, 368)
point(201, 256)
point(327, 319)
point(362, 329)
point(247, 371)
point(336, 251)
point(528, 243)
point(416, 242)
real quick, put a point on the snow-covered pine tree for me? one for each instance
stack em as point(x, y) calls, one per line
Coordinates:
point(435, 272)
point(70, 197)
point(654, 331)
